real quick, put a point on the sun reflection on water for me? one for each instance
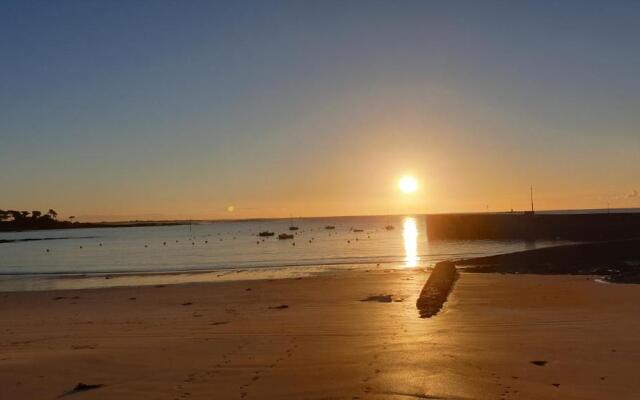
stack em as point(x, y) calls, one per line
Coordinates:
point(410, 236)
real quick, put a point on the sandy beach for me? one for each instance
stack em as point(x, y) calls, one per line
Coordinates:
point(313, 338)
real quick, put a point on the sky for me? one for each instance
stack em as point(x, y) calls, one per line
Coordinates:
point(181, 109)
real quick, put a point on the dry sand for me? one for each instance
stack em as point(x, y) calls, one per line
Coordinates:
point(224, 341)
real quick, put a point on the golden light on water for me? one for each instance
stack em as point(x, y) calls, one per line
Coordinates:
point(408, 184)
point(410, 236)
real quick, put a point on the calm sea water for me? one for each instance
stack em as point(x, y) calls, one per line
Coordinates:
point(84, 257)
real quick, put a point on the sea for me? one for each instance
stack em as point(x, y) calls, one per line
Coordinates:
point(227, 250)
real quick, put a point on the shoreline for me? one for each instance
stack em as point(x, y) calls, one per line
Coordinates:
point(46, 282)
point(79, 281)
point(615, 261)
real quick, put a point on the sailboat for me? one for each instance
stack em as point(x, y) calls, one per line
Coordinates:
point(292, 227)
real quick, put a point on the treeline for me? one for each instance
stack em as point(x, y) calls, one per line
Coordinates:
point(21, 220)
point(13, 220)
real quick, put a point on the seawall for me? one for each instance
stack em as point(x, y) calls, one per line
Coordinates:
point(537, 226)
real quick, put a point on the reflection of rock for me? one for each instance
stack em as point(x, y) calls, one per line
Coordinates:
point(437, 289)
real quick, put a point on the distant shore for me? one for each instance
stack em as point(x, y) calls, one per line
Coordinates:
point(23, 227)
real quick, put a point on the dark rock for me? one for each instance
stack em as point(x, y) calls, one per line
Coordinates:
point(81, 387)
point(282, 307)
point(435, 292)
point(381, 298)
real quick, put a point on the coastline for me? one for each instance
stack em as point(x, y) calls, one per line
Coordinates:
point(80, 281)
point(65, 225)
point(254, 339)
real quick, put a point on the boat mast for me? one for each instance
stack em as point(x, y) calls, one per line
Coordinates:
point(531, 194)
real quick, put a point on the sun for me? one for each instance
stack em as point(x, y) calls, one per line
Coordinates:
point(408, 184)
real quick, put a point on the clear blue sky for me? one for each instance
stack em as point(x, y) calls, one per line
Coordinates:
point(181, 108)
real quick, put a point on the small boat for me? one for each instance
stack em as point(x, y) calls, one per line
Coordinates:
point(293, 228)
point(358, 230)
point(329, 227)
point(389, 227)
point(266, 234)
point(284, 236)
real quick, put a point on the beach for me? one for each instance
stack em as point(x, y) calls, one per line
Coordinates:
point(497, 337)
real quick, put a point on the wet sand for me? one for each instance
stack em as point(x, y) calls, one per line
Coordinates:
point(236, 340)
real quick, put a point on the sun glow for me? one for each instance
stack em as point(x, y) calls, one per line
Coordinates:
point(408, 184)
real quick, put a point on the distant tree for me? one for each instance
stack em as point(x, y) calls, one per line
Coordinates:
point(15, 215)
point(35, 214)
point(4, 215)
point(51, 213)
point(72, 217)
point(25, 214)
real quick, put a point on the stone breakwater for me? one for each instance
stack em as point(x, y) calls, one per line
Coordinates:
point(435, 292)
point(530, 227)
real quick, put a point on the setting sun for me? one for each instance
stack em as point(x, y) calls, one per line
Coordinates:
point(408, 184)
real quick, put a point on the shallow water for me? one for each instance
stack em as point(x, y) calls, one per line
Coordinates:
point(216, 246)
